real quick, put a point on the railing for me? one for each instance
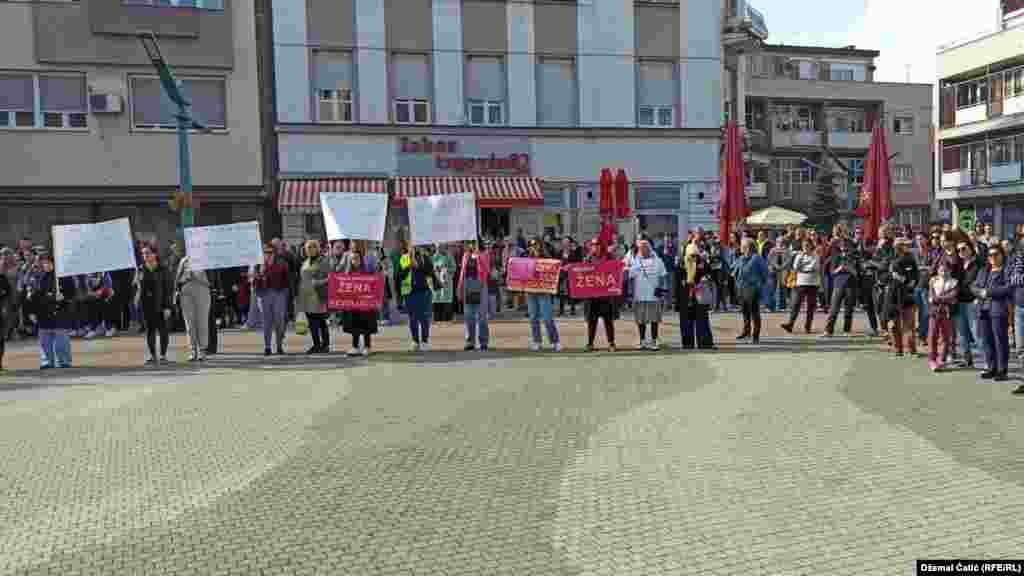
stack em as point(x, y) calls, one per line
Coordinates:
point(987, 176)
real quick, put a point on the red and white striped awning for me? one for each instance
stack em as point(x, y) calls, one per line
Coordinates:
point(498, 192)
point(303, 196)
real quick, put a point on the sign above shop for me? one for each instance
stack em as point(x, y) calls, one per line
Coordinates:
point(478, 156)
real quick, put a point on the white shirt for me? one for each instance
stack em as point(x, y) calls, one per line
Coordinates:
point(646, 274)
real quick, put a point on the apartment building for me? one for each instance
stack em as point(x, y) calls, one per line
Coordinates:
point(86, 132)
point(808, 108)
point(981, 125)
point(522, 102)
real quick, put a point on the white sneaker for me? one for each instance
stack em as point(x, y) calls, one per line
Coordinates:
point(654, 345)
point(112, 332)
point(353, 352)
point(365, 351)
point(534, 347)
point(557, 347)
point(415, 347)
point(425, 346)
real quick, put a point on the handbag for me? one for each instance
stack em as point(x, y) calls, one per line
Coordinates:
point(791, 279)
point(705, 292)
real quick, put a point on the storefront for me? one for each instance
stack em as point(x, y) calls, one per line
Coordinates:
point(530, 181)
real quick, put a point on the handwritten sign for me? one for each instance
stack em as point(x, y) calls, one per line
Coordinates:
point(600, 280)
point(354, 216)
point(443, 218)
point(539, 276)
point(355, 292)
point(226, 246)
point(89, 248)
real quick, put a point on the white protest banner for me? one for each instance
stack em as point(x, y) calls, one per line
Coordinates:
point(226, 246)
point(354, 216)
point(442, 218)
point(90, 248)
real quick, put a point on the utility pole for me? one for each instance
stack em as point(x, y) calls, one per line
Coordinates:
point(186, 122)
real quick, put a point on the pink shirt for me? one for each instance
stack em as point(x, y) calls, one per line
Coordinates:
point(483, 267)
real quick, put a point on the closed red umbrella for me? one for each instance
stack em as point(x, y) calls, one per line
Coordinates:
point(606, 192)
point(876, 201)
point(733, 206)
point(622, 209)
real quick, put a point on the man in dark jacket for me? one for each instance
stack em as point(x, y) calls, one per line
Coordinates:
point(903, 276)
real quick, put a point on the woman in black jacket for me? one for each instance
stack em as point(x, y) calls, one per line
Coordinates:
point(155, 295)
point(967, 308)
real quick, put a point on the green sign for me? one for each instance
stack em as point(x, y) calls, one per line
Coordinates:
point(966, 220)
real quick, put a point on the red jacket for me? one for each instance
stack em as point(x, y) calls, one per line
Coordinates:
point(483, 266)
point(274, 276)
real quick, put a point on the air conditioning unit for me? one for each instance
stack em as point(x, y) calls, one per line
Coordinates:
point(105, 103)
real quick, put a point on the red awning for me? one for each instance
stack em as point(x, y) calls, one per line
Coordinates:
point(303, 196)
point(496, 192)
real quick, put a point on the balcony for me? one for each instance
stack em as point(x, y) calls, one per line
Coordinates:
point(972, 114)
point(743, 18)
point(757, 190)
point(849, 139)
point(993, 174)
point(796, 138)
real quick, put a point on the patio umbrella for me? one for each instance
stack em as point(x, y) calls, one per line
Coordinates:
point(876, 200)
point(776, 216)
point(733, 206)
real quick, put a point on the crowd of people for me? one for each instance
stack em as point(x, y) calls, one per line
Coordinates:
point(954, 293)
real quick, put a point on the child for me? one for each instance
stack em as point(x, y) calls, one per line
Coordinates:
point(360, 322)
point(942, 296)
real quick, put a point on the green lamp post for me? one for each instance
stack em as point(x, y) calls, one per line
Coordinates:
point(186, 122)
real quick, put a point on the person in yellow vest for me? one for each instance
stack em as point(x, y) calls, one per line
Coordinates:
point(416, 271)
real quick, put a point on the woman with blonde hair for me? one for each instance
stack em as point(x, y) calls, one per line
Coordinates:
point(313, 296)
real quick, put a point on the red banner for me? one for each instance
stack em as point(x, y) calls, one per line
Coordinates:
point(358, 292)
point(535, 275)
point(601, 280)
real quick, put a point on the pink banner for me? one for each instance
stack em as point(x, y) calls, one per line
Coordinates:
point(533, 275)
point(601, 280)
point(359, 292)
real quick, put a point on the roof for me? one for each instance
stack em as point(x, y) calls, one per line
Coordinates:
point(821, 50)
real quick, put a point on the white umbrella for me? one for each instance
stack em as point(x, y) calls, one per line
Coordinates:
point(775, 216)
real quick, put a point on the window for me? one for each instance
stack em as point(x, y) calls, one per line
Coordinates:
point(656, 95)
point(201, 4)
point(1002, 152)
point(556, 92)
point(903, 174)
point(333, 86)
point(789, 173)
point(410, 81)
point(806, 69)
point(1013, 83)
point(846, 72)
point(846, 119)
point(485, 90)
point(153, 110)
point(903, 125)
point(59, 100)
point(972, 93)
point(793, 118)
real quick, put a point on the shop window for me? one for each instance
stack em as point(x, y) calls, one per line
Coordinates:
point(658, 198)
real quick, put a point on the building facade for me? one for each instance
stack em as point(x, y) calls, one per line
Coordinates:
point(521, 102)
point(981, 126)
point(86, 133)
point(810, 108)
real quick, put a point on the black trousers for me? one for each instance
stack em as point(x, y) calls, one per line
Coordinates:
point(603, 310)
point(155, 323)
point(810, 295)
point(844, 292)
point(366, 340)
point(319, 331)
point(750, 300)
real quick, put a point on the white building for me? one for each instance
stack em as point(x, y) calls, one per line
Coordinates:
point(523, 102)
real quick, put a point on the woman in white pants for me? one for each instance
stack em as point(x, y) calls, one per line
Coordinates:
point(194, 296)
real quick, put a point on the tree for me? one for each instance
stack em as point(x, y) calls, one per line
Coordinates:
point(825, 207)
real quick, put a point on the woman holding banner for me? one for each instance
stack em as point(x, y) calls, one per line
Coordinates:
point(540, 307)
point(599, 308)
point(417, 274)
point(473, 294)
point(360, 322)
point(194, 295)
point(313, 297)
point(51, 304)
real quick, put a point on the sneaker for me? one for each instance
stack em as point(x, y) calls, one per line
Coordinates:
point(534, 347)
point(193, 357)
point(1019, 391)
point(933, 365)
point(365, 352)
point(112, 332)
point(164, 360)
point(787, 327)
point(353, 352)
point(468, 348)
point(202, 356)
point(654, 345)
point(267, 352)
point(425, 347)
point(415, 347)
point(150, 361)
point(611, 347)
point(557, 347)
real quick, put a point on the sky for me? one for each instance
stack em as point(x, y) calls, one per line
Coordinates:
point(906, 32)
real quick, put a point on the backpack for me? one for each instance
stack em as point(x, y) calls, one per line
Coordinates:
point(472, 287)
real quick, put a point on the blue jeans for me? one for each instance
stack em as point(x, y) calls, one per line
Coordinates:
point(539, 308)
point(995, 333)
point(921, 301)
point(55, 348)
point(768, 297)
point(967, 327)
point(420, 306)
point(475, 317)
point(274, 305)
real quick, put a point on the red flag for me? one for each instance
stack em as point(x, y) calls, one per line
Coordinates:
point(621, 195)
point(876, 201)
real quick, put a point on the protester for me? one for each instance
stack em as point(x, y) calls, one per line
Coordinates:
point(807, 268)
point(752, 278)
point(994, 293)
point(943, 291)
point(602, 309)
point(540, 308)
point(903, 276)
point(693, 274)
point(417, 273)
point(843, 267)
point(156, 300)
point(444, 267)
point(1016, 279)
point(271, 288)
point(967, 314)
point(193, 288)
point(361, 324)
point(473, 293)
point(313, 297)
point(5, 292)
point(51, 301)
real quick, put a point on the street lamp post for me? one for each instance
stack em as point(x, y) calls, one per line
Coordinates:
point(186, 121)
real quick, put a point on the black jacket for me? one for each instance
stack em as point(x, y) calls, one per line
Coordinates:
point(903, 278)
point(968, 276)
point(156, 290)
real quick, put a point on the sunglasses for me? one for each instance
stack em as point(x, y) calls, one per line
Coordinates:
point(962, 248)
